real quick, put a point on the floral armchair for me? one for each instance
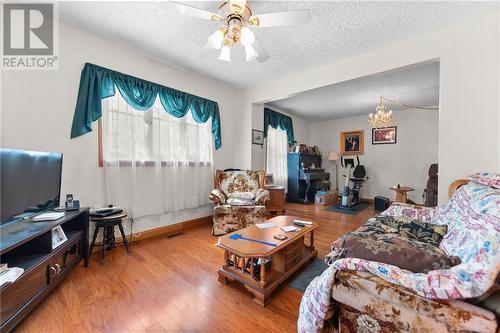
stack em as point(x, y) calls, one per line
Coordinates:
point(240, 200)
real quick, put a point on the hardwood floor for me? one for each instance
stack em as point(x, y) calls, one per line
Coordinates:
point(170, 284)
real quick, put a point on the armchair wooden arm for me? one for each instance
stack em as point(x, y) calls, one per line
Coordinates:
point(455, 185)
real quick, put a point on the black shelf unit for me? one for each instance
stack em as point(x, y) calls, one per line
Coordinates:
point(28, 245)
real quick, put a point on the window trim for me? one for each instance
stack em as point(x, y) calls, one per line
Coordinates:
point(163, 164)
point(100, 157)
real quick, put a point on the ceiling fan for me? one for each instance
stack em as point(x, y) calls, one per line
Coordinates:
point(237, 17)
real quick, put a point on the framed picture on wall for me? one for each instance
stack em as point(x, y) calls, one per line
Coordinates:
point(257, 137)
point(382, 136)
point(352, 142)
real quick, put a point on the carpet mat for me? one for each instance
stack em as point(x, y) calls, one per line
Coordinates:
point(308, 274)
point(349, 211)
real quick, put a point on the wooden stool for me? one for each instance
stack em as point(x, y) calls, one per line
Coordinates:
point(108, 226)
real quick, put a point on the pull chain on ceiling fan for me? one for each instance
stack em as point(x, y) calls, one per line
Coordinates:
point(237, 17)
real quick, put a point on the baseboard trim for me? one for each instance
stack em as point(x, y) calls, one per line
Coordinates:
point(164, 230)
point(174, 228)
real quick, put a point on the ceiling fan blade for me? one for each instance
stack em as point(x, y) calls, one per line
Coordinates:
point(193, 11)
point(263, 56)
point(294, 17)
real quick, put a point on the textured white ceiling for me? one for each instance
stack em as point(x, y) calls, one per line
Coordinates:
point(338, 30)
point(415, 85)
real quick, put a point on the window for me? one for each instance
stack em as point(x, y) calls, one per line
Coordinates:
point(153, 136)
point(277, 155)
point(153, 162)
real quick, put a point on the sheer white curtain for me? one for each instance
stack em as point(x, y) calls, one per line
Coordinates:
point(277, 155)
point(155, 163)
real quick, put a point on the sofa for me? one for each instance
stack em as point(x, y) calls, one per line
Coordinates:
point(444, 280)
point(240, 200)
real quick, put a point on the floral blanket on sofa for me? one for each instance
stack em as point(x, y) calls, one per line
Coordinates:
point(472, 218)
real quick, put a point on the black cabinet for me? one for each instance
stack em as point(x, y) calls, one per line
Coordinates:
point(28, 245)
point(25, 290)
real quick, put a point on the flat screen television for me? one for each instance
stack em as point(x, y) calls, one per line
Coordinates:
point(30, 182)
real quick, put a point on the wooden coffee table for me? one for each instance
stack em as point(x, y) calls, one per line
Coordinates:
point(241, 257)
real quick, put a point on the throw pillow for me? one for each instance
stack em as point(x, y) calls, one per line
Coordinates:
point(405, 227)
point(240, 202)
point(242, 195)
point(415, 256)
point(422, 231)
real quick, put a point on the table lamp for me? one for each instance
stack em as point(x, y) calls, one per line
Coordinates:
point(333, 156)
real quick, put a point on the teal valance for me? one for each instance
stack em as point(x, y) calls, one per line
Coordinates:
point(97, 83)
point(276, 119)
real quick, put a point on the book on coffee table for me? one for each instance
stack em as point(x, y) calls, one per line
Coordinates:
point(290, 228)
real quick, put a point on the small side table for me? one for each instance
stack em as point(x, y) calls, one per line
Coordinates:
point(277, 201)
point(108, 224)
point(401, 193)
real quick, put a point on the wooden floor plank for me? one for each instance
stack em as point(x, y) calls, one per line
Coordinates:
point(170, 285)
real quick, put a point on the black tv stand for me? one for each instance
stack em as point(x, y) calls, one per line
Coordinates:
point(28, 245)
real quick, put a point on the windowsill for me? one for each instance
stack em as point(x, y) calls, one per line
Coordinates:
point(163, 164)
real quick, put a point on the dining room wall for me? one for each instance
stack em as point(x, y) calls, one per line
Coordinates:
point(406, 162)
point(469, 116)
point(301, 130)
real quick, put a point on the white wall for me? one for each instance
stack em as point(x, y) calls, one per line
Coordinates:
point(406, 162)
point(469, 92)
point(301, 130)
point(37, 106)
point(258, 152)
point(37, 112)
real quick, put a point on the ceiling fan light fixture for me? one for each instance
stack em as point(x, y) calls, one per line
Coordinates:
point(215, 40)
point(225, 54)
point(217, 18)
point(250, 53)
point(247, 37)
point(237, 16)
point(254, 20)
point(238, 6)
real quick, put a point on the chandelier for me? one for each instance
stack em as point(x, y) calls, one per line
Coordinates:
point(382, 117)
